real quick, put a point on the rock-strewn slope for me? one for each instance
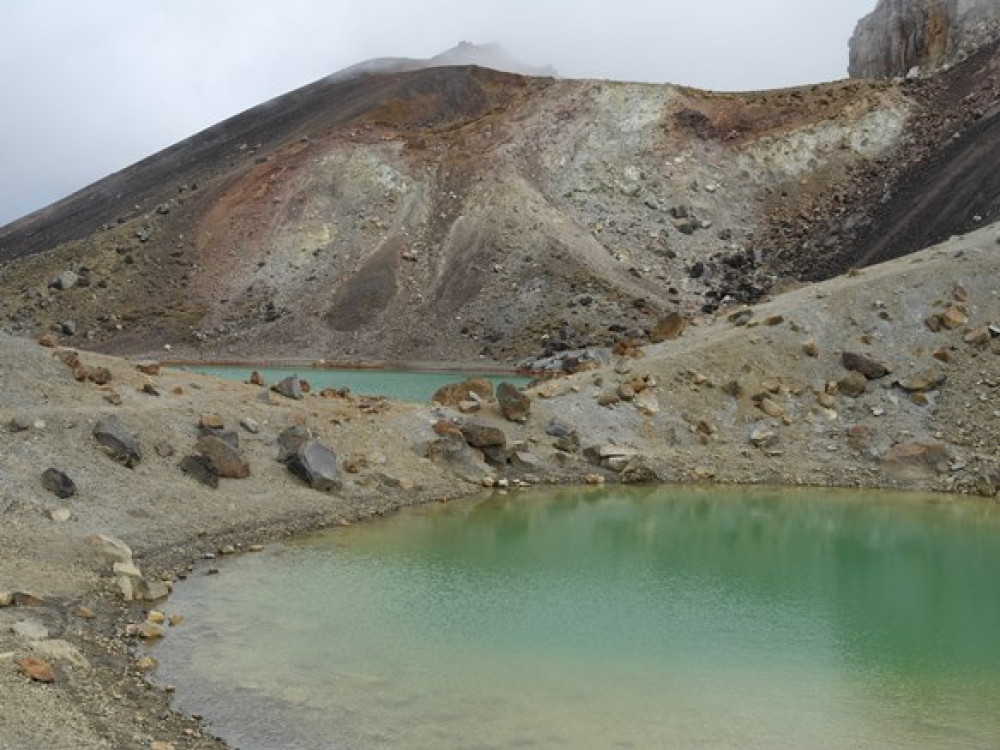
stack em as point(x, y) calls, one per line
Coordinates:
point(900, 35)
point(445, 213)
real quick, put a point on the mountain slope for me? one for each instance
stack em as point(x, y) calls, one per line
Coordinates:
point(455, 212)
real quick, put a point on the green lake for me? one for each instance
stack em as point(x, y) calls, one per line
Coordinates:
point(663, 618)
point(415, 386)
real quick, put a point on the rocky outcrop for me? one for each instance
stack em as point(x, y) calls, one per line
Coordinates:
point(900, 35)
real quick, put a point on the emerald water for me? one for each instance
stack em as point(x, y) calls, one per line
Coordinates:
point(608, 619)
point(404, 385)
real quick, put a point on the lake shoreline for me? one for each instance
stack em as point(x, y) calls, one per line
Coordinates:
point(767, 396)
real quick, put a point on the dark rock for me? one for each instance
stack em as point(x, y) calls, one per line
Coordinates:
point(19, 424)
point(68, 327)
point(453, 394)
point(316, 465)
point(870, 368)
point(559, 429)
point(290, 440)
point(201, 468)
point(118, 441)
point(482, 436)
point(290, 387)
point(58, 483)
point(226, 457)
point(514, 405)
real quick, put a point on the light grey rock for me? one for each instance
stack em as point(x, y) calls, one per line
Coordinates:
point(109, 548)
point(31, 630)
point(290, 387)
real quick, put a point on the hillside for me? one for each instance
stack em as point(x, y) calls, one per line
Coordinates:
point(451, 213)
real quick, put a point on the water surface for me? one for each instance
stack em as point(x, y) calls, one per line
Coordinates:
point(612, 619)
point(405, 385)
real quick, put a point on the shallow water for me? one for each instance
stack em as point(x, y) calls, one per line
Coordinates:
point(404, 385)
point(613, 619)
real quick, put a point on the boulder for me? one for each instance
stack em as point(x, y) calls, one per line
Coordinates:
point(227, 459)
point(872, 369)
point(316, 465)
point(853, 384)
point(290, 387)
point(450, 451)
point(608, 455)
point(118, 441)
point(109, 548)
point(954, 317)
point(201, 468)
point(482, 436)
point(639, 471)
point(58, 483)
point(36, 669)
point(647, 403)
point(211, 422)
point(917, 460)
point(290, 440)
point(453, 394)
point(928, 380)
point(514, 405)
point(65, 280)
point(668, 328)
point(978, 336)
point(559, 429)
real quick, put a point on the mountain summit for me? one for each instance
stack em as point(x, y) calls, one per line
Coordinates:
point(492, 56)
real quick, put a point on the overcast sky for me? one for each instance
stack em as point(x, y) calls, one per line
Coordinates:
point(91, 86)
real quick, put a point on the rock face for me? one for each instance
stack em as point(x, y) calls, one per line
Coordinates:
point(900, 35)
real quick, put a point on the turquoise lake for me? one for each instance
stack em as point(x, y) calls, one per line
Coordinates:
point(663, 618)
point(404, 385)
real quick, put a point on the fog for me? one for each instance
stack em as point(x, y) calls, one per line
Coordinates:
point(91, 87)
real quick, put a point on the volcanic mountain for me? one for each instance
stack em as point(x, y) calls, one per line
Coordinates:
point(403, 212)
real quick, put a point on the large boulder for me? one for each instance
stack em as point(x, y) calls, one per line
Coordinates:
point(454, 394)
point(480, 435)
point(227, 459)
point(450, 451)
point(316, 465)
point(514, 405)
point(290, 387)
point(118, 441)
